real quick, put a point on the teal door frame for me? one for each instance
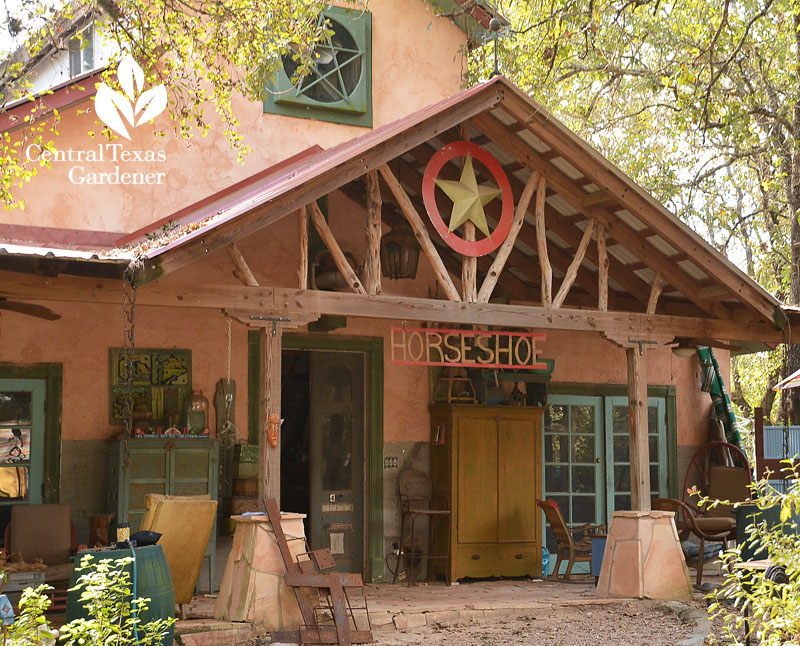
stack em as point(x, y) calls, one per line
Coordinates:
point(598, 457)
point(602, 399)
point(51, 375)
point(35, 462)
point(660, 487)
point(372, 347)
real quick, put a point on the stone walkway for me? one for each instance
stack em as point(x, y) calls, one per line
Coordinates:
point(398, 607)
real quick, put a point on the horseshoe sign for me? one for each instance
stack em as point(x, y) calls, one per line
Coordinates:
point(469, 199)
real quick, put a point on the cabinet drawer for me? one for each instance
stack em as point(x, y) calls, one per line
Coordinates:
point(499, 559)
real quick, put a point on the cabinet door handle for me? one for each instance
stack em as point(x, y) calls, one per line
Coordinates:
point(476, 557)
point(519, 557)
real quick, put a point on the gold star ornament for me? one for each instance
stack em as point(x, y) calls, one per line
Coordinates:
point(468, 198)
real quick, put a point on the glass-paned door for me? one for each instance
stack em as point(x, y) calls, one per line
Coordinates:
point(618, 457)
point(337, 456)
point(573, 460)
point(21, 440)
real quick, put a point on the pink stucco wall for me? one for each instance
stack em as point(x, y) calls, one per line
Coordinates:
point(417, 60)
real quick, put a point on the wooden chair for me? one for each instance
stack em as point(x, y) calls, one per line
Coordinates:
point(712, 529)
point(568, 548)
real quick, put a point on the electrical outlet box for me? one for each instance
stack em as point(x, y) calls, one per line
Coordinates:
point(390, 462)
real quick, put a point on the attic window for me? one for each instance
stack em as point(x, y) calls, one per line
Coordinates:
point(81, 52)
point(339, 87)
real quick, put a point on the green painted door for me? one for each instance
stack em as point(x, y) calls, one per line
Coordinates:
point(337, 417)
point(574, 452)
point(21, 440)
point(587, 457)
point(618, 464)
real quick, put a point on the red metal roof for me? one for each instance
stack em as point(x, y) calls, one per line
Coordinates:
point(234, 205)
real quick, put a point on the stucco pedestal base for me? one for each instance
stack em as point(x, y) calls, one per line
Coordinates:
point(643, 558)
point(253, 587)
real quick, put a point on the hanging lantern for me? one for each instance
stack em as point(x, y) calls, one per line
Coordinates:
point(399, 253)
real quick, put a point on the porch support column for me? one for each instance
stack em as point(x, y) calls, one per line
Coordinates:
point(643, 556)
point(639, 446)
point(269, 457)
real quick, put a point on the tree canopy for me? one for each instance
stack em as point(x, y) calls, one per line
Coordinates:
point(203, 52)
point(698, 101)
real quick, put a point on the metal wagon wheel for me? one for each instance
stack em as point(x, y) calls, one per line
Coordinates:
point(699, 472)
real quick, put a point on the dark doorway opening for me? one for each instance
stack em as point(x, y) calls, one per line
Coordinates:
point(295, 433)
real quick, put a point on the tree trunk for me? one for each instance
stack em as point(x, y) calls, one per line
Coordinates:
point(793, 351)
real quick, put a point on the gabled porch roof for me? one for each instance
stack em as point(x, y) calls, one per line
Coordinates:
point(656, 265)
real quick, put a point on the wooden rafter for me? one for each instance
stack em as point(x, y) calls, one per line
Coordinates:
point(562, 225)
point(655, 292)
point(643, 206)
point(508, 244)
point(574, 195)
point(342, 264)
point(541, 245)
point(302, 232)
point(372, 265)
point(469, 264)
point(217, 297)
point(572, 271)
point(528, 265)
point(325, 182)
point(513, 285)
point(602, 269)
point(417, 225)
point(242, 272)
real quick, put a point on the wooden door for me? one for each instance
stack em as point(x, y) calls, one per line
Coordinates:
point(517, 481)
point(337, 456)
point(477, 479)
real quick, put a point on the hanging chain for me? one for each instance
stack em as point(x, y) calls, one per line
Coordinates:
point(228, 432)
point(128, 350)
point(229, 348)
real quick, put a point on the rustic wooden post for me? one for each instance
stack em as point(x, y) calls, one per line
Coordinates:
point(339, 259)
point(541, 242)
point(302, 226)
point(414, 219)
point(372, 265)
point(469, 264)
point(469, 268)
point(639, 445)
point(269, 457)
point(242, 272)
point(602, 269)
point(572, 270)
point(655, 292)
point(507, 247)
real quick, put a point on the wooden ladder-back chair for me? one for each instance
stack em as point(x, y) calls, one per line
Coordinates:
point(707, 530)
point(567, 547)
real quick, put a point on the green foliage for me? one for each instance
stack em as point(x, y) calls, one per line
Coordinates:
point(113, 616)
point(30, 627)
point(773, 608)
point(206, 53)
point(105, 592)
point(698, 101)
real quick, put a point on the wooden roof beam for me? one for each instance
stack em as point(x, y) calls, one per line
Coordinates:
point(642, 205)
point(574, 195)
point(276, 299)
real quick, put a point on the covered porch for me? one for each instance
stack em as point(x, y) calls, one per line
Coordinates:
point(581, 255)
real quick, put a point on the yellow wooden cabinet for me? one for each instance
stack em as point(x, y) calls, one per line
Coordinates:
point(486, 461)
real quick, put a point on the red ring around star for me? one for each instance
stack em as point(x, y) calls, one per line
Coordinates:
point(435, 165)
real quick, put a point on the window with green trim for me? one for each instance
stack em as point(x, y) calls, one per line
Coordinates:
point(339, 86)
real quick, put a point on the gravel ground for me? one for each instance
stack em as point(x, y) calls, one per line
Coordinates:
point(635, 624)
